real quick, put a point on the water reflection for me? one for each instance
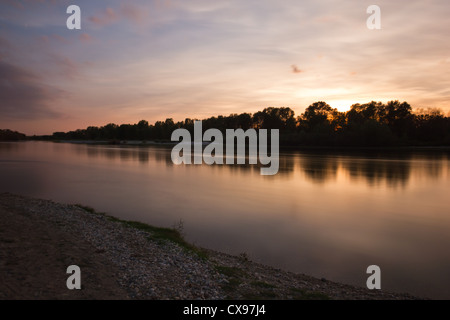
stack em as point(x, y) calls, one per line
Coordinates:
point(318, 169)
point(376, 171)
point(10, 146)
point(391, 169)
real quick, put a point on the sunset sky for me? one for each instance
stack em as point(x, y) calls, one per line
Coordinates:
point(153, 60)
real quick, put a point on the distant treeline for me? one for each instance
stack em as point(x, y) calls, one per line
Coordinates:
point(370, 124)
point(8, 135)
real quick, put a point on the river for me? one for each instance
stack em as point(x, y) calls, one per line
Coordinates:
point(328, 214)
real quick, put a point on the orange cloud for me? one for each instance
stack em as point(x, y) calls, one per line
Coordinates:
point(126, 11)
point(105, 18)
point(66, 67)
point(85, 38)
point(59, 38)
point(132, 13)
point(295, 69)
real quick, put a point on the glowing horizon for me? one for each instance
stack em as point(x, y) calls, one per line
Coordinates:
point(161, 59)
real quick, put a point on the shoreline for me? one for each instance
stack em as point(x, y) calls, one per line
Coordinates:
point(126, 260)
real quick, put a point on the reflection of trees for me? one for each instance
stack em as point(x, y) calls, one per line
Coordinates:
point(110, 153)
point(319, 168)
point(286, 164)
point(432, 162)
point(394, 169)
point(92, 152)
point(163, 155)
point(285, 169)
point(322, 168)
point(375, 171)
point(130, 154)
point(9, 146)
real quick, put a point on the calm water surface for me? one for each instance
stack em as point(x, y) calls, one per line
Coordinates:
point(330, 215)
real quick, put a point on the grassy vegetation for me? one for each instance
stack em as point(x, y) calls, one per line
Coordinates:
point(234, 276)
point(155, 233)
point(262, 284)
point(236, 282)
point(230, 287)
point(238, 286)
point(232, 272)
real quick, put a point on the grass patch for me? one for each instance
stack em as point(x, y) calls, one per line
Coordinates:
point(155, 233)
point(232, 272)
point(299, 294)
point(232, 285)
point(165, 234)
point(234, 276)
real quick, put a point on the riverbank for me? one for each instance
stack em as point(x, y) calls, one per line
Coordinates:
point(39, 239)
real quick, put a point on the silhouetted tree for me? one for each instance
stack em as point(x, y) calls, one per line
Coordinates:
point(318, 113)
point(398, 117)
point(275, 118)
point(9, 135)
point(369, 124)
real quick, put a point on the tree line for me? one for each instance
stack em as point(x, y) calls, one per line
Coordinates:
point(373, 124)
point(9, 135)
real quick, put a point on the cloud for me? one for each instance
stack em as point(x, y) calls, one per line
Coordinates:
point(14, 3)
point(4, 42)
point(127, 11)
point(85, 38)
point(295, 69)
point(133, 13)
point(45, 40)
point(105, 18)
point(60, 39)
point(66, 67)
point(4, 47)
point(22, 96)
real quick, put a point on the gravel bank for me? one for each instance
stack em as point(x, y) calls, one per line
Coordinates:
point(39, 239)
